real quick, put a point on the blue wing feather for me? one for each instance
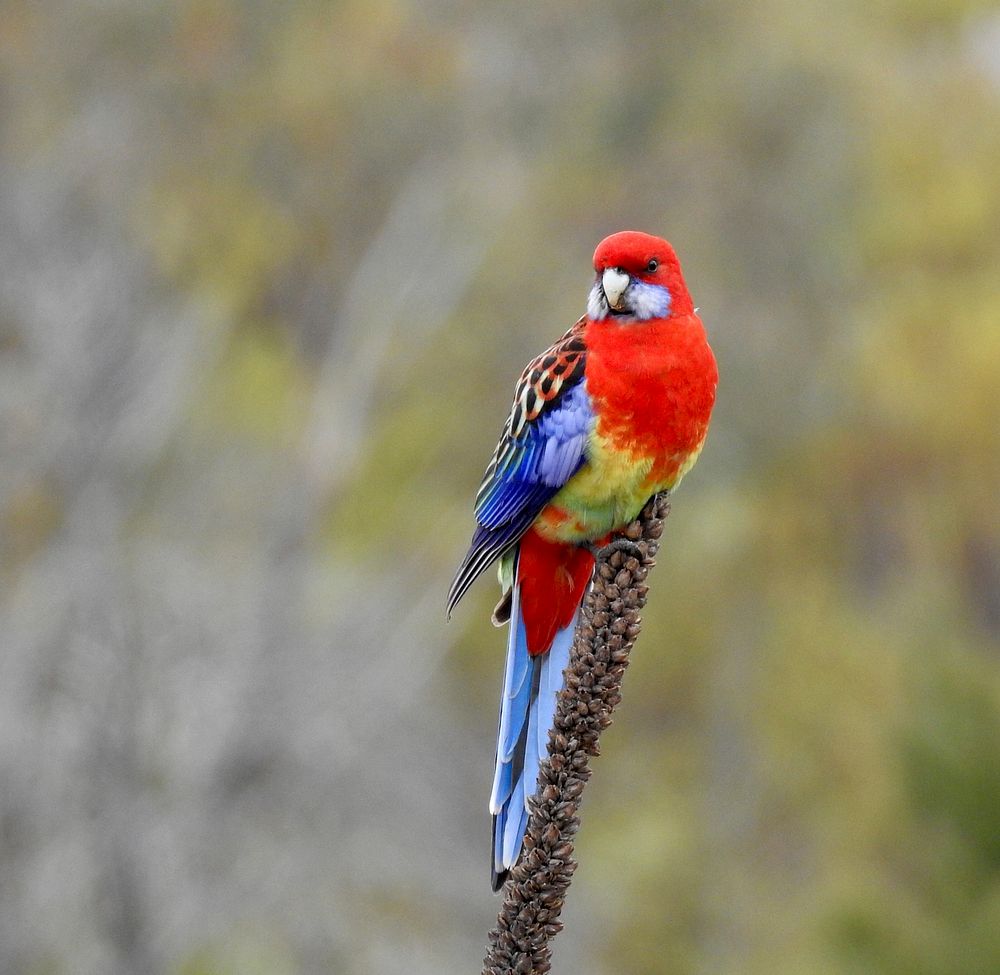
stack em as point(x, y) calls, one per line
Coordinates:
point(542, 446)
point(545, 456)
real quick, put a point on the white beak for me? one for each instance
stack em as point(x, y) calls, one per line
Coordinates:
point(614, 282)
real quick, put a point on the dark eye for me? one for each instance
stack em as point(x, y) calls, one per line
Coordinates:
point(652, 265)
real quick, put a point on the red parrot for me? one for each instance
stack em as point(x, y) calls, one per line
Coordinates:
point(613, 413)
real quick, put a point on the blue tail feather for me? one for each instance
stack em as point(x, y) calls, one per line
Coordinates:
point(516, 686)
point(527, 712)
point(551, 683)
point(529, 749)
point(516, 819)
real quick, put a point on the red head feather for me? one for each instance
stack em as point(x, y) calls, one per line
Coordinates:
point(637, 253)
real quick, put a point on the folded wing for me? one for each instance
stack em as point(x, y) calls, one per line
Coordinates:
point(542, 446)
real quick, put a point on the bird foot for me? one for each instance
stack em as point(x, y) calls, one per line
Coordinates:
point(621, 544)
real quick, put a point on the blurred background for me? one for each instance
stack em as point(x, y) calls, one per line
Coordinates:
point(268, 273)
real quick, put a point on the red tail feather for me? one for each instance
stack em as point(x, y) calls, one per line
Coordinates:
point(553, 578)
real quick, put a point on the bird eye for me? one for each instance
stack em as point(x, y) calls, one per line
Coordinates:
point(652, 265)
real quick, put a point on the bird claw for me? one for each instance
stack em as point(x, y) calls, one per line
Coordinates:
point(624, 545)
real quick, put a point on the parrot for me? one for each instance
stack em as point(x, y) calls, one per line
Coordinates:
point(616, 411)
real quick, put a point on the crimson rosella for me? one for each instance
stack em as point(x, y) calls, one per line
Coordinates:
point(613, 413)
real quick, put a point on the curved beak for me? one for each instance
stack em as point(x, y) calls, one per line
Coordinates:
point(614, 281)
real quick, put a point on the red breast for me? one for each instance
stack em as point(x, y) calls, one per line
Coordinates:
point(652, 384)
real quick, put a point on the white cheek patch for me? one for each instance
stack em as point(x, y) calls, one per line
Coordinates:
point(597, 303)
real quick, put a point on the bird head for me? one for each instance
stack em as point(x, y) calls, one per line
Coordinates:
point(638, 278)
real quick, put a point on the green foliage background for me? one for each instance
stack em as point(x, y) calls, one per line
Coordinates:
point(376, 212)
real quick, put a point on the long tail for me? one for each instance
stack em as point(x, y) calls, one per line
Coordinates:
point(550, 582)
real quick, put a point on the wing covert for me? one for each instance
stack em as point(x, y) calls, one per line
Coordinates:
point(542, 445)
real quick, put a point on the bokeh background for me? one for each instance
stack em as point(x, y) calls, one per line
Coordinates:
point(268, 273)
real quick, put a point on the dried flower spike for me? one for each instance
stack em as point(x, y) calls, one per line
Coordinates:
point(536, 886)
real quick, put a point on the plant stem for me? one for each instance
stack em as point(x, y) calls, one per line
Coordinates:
point(536, 888)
